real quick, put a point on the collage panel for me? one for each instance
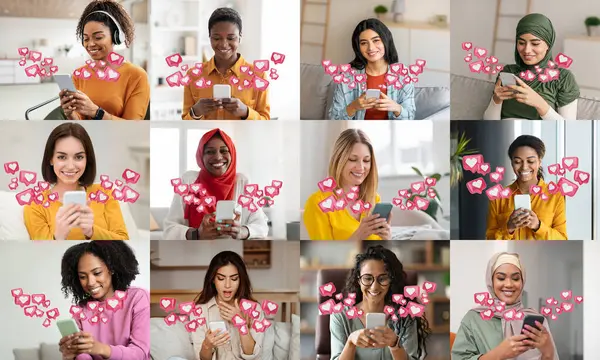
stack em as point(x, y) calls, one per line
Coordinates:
point(224, 60)
point(396, 293)
point(381, 180)
point(364, 60)
point(97, 290)
point(225, 299)
point(511, 288)
point(75, 181)
point(74, 60)
point(225, 180)
point(524, 180)
point(525, 60)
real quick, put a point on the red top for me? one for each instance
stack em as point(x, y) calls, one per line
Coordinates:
point(376, 82)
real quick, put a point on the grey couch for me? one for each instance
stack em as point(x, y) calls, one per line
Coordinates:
point(316, 94)
point(44, 352)
point(470, 97)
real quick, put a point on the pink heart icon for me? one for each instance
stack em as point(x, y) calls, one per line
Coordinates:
point(173, 60)
point(467, 46)
point(480, 52)
point(277, 58)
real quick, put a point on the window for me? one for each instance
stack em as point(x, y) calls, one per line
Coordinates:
point(400, 145)
point(164, 165)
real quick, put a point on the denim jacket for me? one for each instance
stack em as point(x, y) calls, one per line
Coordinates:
point(344, 96)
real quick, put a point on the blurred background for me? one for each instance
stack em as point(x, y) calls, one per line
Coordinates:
point(591, 266)
point(118, 145)
point(266, 151)
point(178, 269)
point(552, 267)
point(492, 24)
point(492, 139)
point(398, 146)
point(35, 267)
point(182, 27)
point(424, 260)
point(49, 27)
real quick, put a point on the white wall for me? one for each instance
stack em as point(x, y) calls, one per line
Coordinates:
point(36, 268)
point(25, 141)
point(591, 266)
point(480, 29)
point(551, 268)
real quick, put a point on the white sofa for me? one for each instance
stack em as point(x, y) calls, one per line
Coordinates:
point(281, 341)
point(43, 352)
point(12, 226)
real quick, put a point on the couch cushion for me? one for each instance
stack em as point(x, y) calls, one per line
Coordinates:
point(281, 348)
point(430, 101)
point(316, 92)
point(588, 109)
point(294, 352)
point(26, 354)
point(167, 341)
point(50, 352)
point(12, 226)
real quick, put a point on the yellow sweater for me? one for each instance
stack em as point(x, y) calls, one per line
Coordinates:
point(108, 220)
point(127, 98)
point(551, 213)
point(336, 225)
point(256, 101)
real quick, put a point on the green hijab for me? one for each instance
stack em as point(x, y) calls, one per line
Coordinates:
point(557, 93)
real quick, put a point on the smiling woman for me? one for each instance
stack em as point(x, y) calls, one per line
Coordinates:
point(103, 25)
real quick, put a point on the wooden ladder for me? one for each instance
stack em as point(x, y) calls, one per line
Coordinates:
point(500, 16)
point(323, 45)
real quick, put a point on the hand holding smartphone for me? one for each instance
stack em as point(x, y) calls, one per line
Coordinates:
point(508, 79)
point(67, 327)
point(64, 81)
point(373, 94)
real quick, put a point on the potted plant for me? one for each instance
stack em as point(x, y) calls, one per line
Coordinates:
point(592, 24)
point(380, 11)
point(460, 149)
point(435, 203)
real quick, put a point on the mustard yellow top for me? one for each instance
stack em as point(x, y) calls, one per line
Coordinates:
point(108, 220)
point(127, 98)
point(256, 101)
point(336, 225)
point(553, 220)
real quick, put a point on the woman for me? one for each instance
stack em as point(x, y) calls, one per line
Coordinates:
point(376, 275)
point(104, 24)
point(352, 164)
point(534, 100)
point(216, 156)
point(374, 51)
point(225, 31)
point(226, 282)
point(497, 338)
point(94, 271)
point(69, 164)
point(547, 219)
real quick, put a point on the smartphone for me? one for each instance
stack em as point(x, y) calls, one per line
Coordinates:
point(67, 327)
point(383, 209)
point(373, 94)
point(221, 91)
point(64, 81)
point(530, 320)
point(225, 210)
point(522, 201)
point(508, 79)
point(217, 325)
point(74, 197)
point(375, 320)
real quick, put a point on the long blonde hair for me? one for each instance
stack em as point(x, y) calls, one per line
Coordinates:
point(341, 154)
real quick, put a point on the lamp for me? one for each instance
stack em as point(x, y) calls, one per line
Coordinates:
point(398, 9)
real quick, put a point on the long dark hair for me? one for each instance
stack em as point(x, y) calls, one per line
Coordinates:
point(532, 142)
point(395, 271)
point(225, 258)
point(116, 254)
point(391, 55)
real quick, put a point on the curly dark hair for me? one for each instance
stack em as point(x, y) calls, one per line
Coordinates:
point(116, 254)
point(225, 15)
point(117, 11)
point(395, 271)
point(530, 141)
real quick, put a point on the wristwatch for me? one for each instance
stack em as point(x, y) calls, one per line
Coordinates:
point(195, 234)
point(99, 114)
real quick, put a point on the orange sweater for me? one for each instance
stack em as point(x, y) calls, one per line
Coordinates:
point(257, 101)
point(108, 220)
point(127, 98)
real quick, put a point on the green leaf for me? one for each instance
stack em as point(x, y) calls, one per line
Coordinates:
point(437, 177)
point(417, 171)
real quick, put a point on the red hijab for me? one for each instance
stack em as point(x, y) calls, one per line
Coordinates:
point(221, 187)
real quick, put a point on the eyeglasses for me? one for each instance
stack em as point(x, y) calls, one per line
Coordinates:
point(368, 279)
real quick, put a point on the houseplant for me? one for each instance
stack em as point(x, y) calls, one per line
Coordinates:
point(592, 25)
point(460, 149)
point(435, 203)
point(380, 11)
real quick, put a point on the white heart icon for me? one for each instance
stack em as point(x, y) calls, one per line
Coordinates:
point(165, 303)
point(471, 162)
point(415, 310)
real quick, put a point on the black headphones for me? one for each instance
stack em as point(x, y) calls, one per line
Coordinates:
point(118, 34)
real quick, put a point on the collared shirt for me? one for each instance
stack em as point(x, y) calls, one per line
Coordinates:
point(551, 213)
point(257, 101)
point(233, 349)
point(344, 96)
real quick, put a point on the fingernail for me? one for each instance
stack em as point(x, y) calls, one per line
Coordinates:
point(220, 221)
point(219, 229)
